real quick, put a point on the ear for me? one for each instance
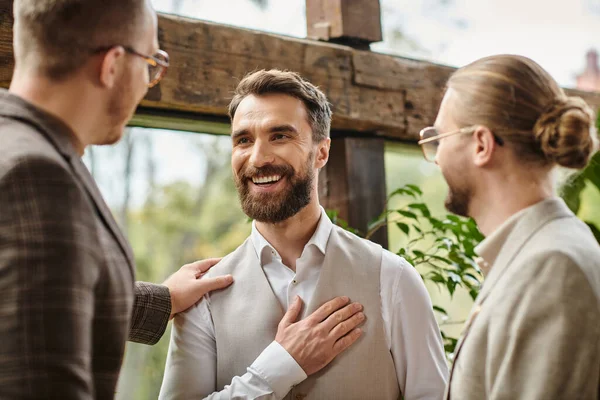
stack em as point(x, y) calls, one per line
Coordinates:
point(485, 146)
point(322, 153)
point(110, 67)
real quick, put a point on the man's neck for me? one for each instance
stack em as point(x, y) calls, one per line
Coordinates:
point(289, 237)
point(499, 202)
point(57, 99)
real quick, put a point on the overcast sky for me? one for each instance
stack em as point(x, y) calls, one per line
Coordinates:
point(555, 33)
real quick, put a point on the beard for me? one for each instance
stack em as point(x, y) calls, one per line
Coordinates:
point(276, 207)
point(120, 110)
point(458, 198)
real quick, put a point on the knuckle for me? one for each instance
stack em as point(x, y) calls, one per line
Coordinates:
point(329, 308)
point(319, 331)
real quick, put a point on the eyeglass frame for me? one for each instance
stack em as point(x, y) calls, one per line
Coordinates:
point(150, 60)
point(440, 136)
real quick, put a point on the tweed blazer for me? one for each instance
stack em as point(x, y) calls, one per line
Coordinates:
point(534, 331)
point(66, 270)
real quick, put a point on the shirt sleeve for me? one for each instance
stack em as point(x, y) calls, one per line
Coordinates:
point(191, 369)
point(412, 331)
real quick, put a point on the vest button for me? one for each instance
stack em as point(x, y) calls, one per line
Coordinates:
point(300, 396)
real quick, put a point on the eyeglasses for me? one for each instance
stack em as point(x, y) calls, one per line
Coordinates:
point(430, 140)
point(157, 63)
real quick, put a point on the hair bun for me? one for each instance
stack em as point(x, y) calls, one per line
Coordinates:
point(566, 132)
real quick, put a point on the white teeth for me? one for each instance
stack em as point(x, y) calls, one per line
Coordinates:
point(266, 179)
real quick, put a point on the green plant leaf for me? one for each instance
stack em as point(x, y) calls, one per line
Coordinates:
point(404, 191)
point(473, 277)
point(595, 231)
point(419, 253)
point(592, 171)
point(439, 258)
point(451, 285)
point(437, 277)
point(571, 191)
point(473, 293)
point(407, 214)
point(440, 310)
point(403, 227)
point(414, 188)
point(421, 207)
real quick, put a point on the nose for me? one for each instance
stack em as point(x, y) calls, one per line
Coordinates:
point(261, 154)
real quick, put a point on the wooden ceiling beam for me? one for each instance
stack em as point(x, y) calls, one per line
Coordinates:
point(373, 94)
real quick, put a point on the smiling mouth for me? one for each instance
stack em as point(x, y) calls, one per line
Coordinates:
point(266, 180)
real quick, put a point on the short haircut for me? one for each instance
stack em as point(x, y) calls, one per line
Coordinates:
point(285, 82)
point(56, 37)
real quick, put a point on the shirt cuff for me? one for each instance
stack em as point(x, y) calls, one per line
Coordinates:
point(279, 369)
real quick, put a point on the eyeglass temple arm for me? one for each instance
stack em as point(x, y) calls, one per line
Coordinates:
point(443, 135)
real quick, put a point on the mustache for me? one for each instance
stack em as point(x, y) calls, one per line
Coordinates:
point(251, 171)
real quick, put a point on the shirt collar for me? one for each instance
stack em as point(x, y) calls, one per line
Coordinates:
point(319, 238)
point(491, 246)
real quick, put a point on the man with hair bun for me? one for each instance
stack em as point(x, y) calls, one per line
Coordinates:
point(534, 331)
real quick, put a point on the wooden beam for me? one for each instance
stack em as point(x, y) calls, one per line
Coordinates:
point(376, 94)
point(344, 20)
point(353, 182)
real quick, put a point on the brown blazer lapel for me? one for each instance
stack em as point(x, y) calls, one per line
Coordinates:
point(57, 133)
point(88, 181)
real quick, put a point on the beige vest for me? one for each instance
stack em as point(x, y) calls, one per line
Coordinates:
point(246, 316)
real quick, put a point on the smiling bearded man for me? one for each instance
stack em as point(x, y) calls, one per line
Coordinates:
point(266, 205)
point(280, 141)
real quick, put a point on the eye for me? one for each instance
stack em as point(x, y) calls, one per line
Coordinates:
point(279, 136)
point(242, 141)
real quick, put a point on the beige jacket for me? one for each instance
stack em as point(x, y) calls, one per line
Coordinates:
point(534, 331)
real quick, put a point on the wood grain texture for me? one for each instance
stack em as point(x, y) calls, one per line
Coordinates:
point(371, 93)
point(344, 19)
point(353, 182)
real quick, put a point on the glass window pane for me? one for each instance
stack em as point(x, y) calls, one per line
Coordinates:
point(404, 164)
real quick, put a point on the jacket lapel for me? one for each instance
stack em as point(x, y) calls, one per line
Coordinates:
point(57, 134)
point(524, 230)
point(92, 189)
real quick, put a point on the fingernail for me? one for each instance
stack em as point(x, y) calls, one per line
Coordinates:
point(346, 299)
point(361, 316)
point(358, 331)
point(229, 278)
point(357, 306)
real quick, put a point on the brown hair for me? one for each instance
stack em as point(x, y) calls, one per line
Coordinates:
point(290, 83)
point(56, 37)
point(519, 101)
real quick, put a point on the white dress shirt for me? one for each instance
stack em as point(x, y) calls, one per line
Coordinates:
point(411, 331)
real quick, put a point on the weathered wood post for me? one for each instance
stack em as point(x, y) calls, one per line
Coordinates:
point(353, 182)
